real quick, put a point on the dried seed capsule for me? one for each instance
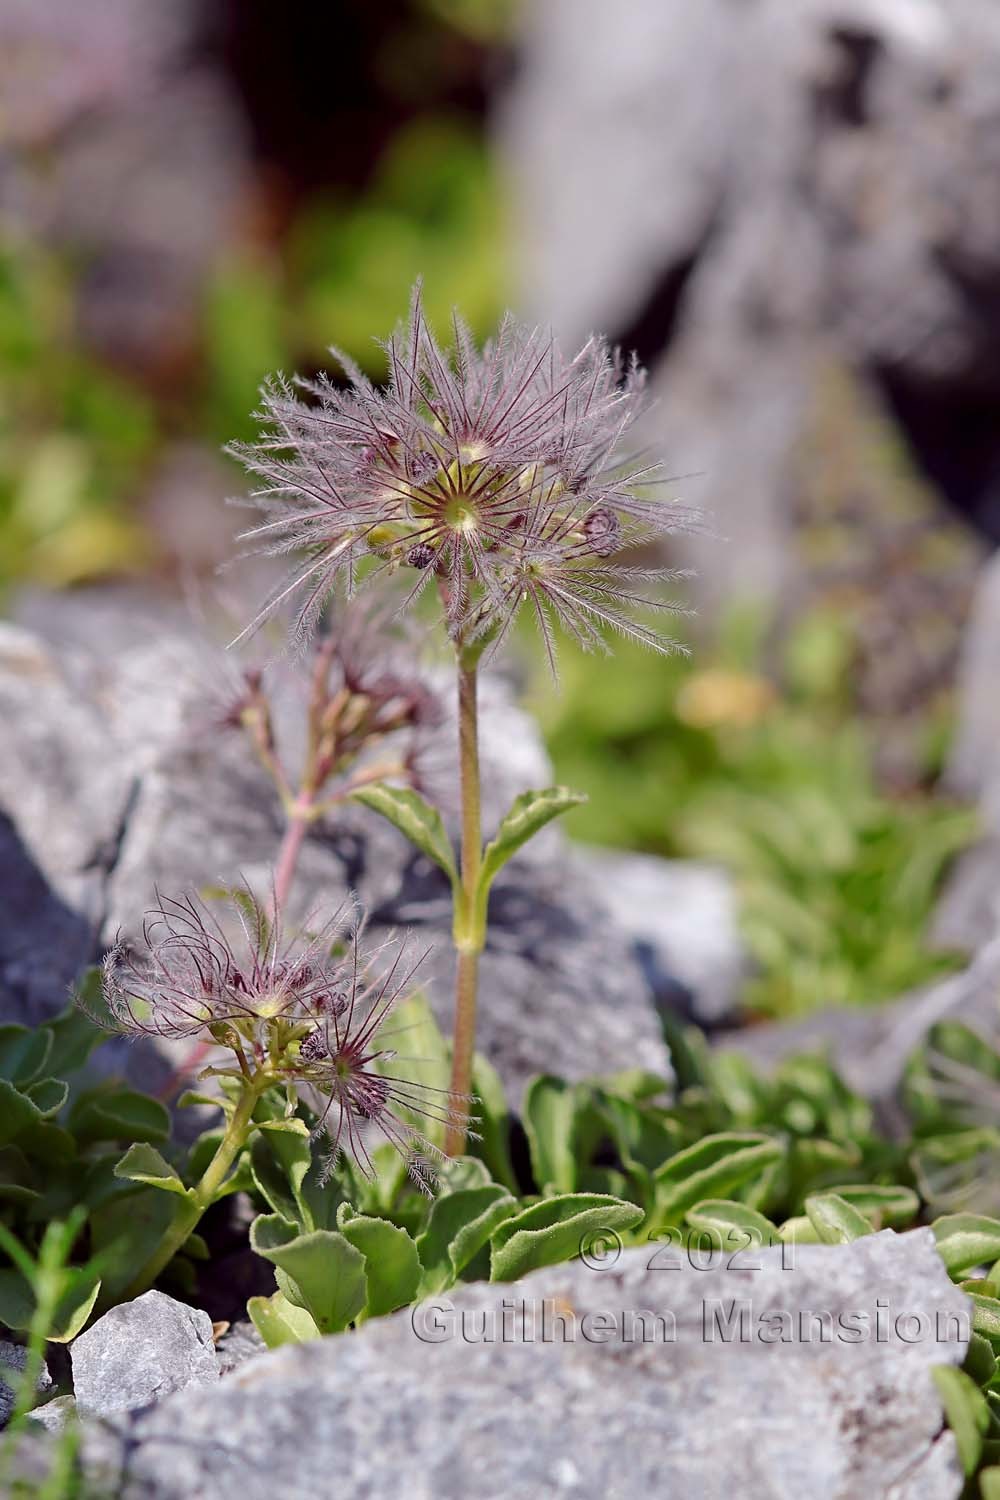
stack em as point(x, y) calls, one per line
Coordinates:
point(314, 1047)
point(602, 530)
point(422, 555)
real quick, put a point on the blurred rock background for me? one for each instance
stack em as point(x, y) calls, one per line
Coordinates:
point(791, 212)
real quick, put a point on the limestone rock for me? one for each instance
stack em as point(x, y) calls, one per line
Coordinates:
point(462, 1397)
point(140, 1352)
point(109, 794)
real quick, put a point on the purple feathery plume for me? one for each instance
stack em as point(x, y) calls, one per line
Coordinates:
point(310, 1012)
point(499, 472)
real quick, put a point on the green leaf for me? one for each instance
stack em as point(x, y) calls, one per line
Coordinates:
point(835, 1220)
point(17, 1112)
point(980, 1361)
point(554, 1230)
point(415, 818)
point(456, 1173)
point(75, 1030)
point(17, 1303)
point(75, 1306)
point(492, 1123)
point(711, 1168)
point(124, 1232)
point(323, 1272)
point(279, 1321)
point(23, 1052)
point(392, 1265)
point(528, 813)
point(416, 1033)
point(458, 1227)
point(985, 1314)
point(191, 1099)
point(45, 1142)
point(645, 1138)
point(799, 1231)
point(967, 1413)
point(989, 1483)
point(271, 1181)
point(893, 1207)
point(548, 1113)
point(965, 1241)
point(17, 1300)
point(16, 1177)
point(739, 1227)
point(48, 1096)
point(111, 1113)
point(143, 1163)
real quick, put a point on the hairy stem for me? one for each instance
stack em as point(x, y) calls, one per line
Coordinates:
point(468, 933)
point(288, 855)
point(190, 1208)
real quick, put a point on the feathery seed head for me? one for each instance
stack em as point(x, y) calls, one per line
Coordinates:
point(499, 471)
point(310, 1013)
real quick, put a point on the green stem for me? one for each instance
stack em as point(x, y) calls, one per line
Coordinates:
point(468, 928)
point(190, 1208)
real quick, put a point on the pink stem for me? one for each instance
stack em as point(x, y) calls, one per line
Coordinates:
point(288, 857)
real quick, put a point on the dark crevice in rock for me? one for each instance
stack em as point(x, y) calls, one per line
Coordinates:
point(844, 98)
point(654, 326)
point(951, 430)
point(107, 856)
point(43, 942)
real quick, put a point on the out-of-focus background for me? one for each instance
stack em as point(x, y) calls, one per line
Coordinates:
point(792, 212)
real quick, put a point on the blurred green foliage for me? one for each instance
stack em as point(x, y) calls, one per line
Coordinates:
point(433, 207)
point(79, 442)
point(74, 438)
point(770, 775)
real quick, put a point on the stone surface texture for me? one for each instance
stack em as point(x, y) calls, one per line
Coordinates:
point(969, 912)
point(12, 1360)
point(590, 1411)
point(140, 1352)
point(111, 787)
point(748, 191)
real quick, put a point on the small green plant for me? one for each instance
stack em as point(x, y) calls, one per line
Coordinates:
point(499, 475)
point(770, 775)
point(58, 1306)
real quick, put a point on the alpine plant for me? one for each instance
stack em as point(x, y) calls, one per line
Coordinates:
point(310, 1015)
point(500, 473)
point(503, 476)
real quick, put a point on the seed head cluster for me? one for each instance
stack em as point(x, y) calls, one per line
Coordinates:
point(500, 472)
point(311, 1013)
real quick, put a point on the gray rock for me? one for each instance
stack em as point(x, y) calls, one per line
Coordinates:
point(969, 910)
point(753, 193)
point(682, 919)
point(55, 1414)
point(140, 1352)
point(110, 794)
point(13, 1358)
point(238, 1344)
point(464, 1398)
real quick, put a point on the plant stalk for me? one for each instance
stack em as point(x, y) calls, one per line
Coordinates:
point(190, 1209)
point(468, 929)
point(288, 855)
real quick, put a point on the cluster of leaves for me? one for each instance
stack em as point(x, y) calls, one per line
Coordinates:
point(77, 1151)
point(720, 1152)
point(770, 774)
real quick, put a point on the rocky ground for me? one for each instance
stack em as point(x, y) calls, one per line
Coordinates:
point(114, 783)
point(542, 1387)
point(107, 791)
